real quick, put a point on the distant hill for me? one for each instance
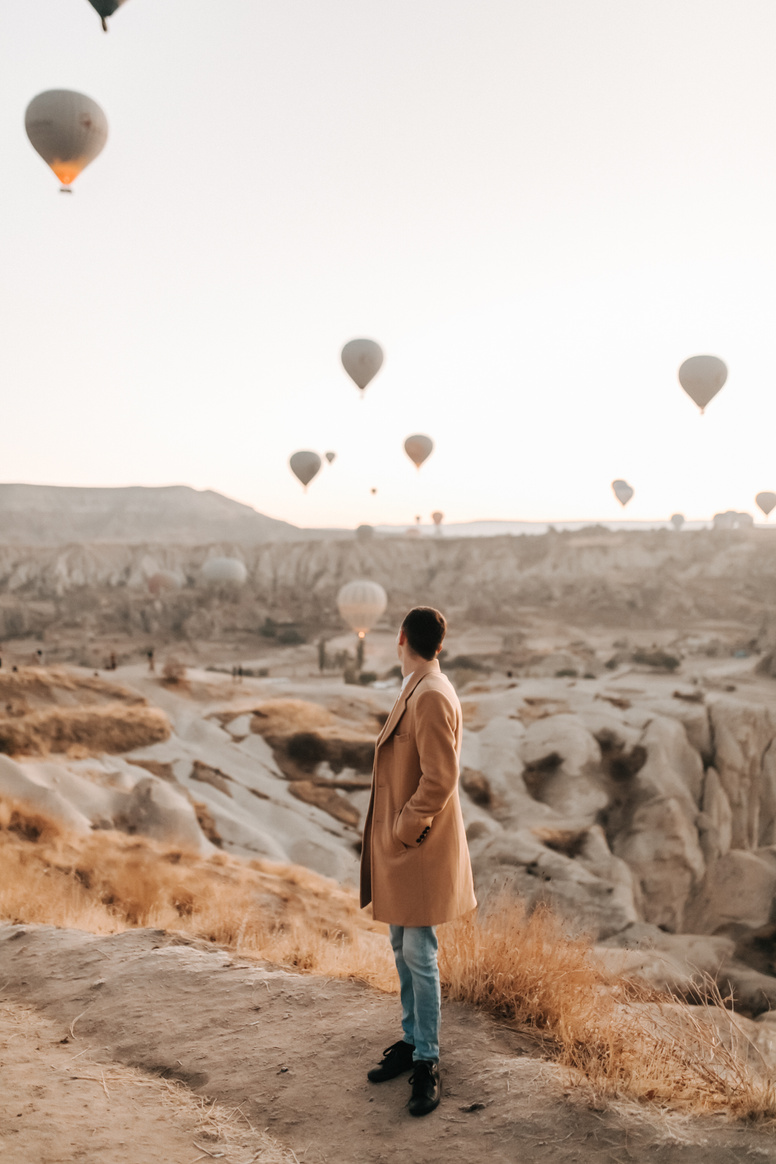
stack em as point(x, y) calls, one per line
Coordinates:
point(56, 515)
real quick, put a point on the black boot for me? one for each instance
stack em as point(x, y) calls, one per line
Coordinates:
point(426, 1087)
point(396, 1060)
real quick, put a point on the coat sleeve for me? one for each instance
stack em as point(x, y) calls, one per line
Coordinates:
point(435, 736)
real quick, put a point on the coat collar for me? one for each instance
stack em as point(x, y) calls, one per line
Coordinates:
point(427, 667)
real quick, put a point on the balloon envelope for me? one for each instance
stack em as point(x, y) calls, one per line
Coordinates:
point(677, 520)
point(418, 448)
point(224, 572)
point(437, 517)
point(732, 519)
point(67, 129)
point(622, 491)
point(330, 457)
point(365, 533)
point(362, 359)
point(105, 8)
point(163, 582)
point(304, 465)
point(766, 501)
point(702, 377)
point(361, 603)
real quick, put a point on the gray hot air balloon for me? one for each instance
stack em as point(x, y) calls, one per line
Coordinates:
point(304, 465)
point(702, 377)
point(67, 129)
point(365, 533)
point(677, 520)
point(361, 603)
point(418, 448)
point(330, 457)
point(224, 572)
point(622, 491)
point(105, 8)
point(732, 519)
point(362, 359)
point(766, 501)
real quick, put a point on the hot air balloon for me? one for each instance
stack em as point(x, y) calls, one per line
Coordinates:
point(732, 519)
point(163, 582)
point(702, 377)
point(622, 491)
point(677, 520)
point(365, 533)
point(330, 457)
point(67, 129)
point(361, 603)
point(437, 519)
point(105, 8)
point(304, 465)
point(224, 572)
point(362, 359)
point(418, 448)
point(766, 502)
point(373, 491)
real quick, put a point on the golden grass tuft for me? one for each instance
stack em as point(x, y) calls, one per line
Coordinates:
point(624, 1039)
point(48, 685)
point(82, 731)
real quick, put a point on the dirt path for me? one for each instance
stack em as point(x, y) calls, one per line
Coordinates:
point(292, 1052)
point(58, 1103)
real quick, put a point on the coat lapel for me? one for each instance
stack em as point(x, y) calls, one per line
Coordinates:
point(397, 710)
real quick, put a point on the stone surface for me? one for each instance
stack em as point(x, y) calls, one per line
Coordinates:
point(737, 888)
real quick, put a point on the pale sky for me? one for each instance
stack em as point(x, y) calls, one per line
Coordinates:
point(539, 209)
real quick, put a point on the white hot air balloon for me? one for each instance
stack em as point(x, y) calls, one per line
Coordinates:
point(361, 603)
point(677, 520)
point(362, 359)
point(224, 572)
point(104, 9)
point(305, 465)
point(418, 448)
point(766, 501)
point(702, 377)
point(67, 129)
point(622, 491)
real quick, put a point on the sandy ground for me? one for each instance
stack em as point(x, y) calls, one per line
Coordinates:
point(58, 1103)
point(287, 1053)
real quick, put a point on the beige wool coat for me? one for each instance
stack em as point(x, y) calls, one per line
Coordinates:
point(415, 866)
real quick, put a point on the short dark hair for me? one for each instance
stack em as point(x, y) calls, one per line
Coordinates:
point(425, 630)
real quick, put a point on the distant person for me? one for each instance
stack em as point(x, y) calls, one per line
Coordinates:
point(151, 663)
point(39, 656)
point(112, 663)
point(415, 866)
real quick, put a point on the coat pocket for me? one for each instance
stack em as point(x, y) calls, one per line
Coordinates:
point(397, 841)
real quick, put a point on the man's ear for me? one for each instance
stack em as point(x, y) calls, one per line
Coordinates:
point(402, 638)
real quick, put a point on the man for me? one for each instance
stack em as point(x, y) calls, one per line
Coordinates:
point(415, 866)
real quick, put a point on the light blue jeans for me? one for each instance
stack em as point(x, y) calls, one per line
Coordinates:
point(415, 951)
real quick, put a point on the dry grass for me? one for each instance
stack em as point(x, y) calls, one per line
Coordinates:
point(53, 709)
point(85, 731)
point(60, 685)
point(624, 1039)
